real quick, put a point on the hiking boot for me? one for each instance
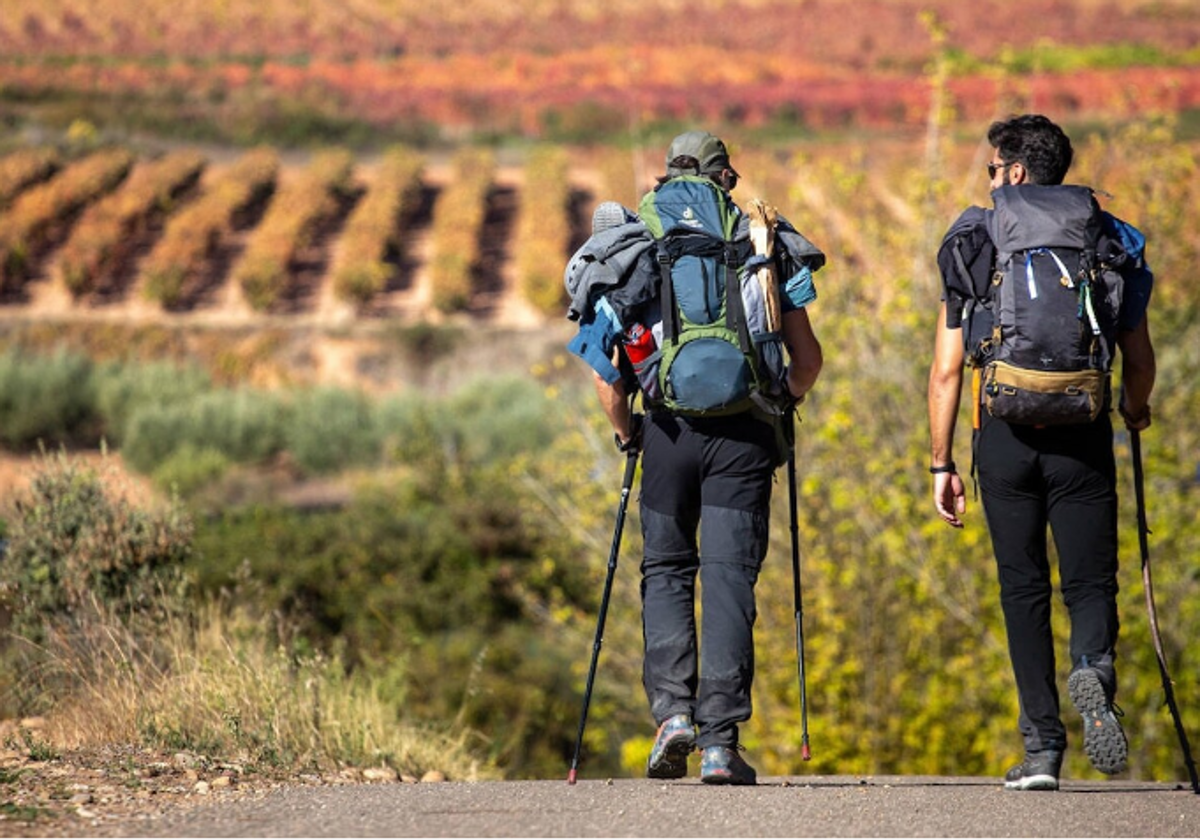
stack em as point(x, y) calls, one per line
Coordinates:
point(675, 740)
point(1039, 771)
point(1103, 739)
point(723, 766)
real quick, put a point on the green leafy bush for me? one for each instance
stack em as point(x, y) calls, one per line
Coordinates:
point(123, 389)
point(112, 648)
point(75, 538)
point(439, 567)
point(330, 429)
point(245, 425)
point(46, 398)
point(188, 469)
point(486, 421)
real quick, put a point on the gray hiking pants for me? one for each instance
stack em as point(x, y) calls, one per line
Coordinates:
point(710, 478)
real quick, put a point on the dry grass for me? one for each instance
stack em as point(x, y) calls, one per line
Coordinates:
point(213, 682)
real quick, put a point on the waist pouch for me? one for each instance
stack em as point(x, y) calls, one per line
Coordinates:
point(1044, 398)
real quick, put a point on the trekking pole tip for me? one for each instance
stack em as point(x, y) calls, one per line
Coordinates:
point(571, 776)
point(805, 753)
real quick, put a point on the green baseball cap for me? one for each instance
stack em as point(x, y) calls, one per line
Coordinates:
point(704, 147)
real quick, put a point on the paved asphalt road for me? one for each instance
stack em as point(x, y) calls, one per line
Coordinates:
point(831, 806)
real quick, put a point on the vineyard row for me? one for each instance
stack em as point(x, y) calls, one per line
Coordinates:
point(179, 233)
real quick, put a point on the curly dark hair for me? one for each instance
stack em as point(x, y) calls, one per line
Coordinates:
point(1036, 143)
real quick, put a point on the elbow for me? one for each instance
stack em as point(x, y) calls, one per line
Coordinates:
point(946, 371)
point(810, 363)
point(803, 371)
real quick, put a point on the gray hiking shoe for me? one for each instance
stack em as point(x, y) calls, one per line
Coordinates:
point(1103, 738)
point(723, 766)
point(1039, 771)
point(673, 744)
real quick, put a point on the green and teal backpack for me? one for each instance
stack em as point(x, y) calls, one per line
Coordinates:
point(715, 356)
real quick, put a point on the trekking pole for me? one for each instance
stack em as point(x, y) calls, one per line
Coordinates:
point(631, 459)
point(1135, 444)
point(795, 528)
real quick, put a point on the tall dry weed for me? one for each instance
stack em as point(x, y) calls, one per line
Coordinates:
point(215, 681)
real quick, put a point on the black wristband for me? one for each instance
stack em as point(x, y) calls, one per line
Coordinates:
point(944, 468)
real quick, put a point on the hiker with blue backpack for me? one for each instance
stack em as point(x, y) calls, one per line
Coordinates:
point(1040, 293)
point(692, 303)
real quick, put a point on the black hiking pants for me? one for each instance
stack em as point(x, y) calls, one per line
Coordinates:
point(713, 477)
point(1063, 477)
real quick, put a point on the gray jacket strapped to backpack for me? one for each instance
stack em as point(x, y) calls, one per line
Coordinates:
point(622, 256)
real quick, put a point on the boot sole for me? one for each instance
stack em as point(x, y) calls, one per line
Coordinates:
point(1103, 738)
point(672, 764)
point(1040, 782)
point(726, 779)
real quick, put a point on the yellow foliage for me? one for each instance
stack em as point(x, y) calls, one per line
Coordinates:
point(906, 655)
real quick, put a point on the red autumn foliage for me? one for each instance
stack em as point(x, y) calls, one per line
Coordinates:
point(481, 64)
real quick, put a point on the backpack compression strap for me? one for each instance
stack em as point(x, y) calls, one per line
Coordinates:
point(670, 312)
point(671, 248)
point(735, 306)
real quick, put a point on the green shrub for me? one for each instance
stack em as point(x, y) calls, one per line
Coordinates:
point(46, 398)
point(487, 421)
point(189, 469)
point(360, 283)
point(245, 425)
point(123, 389)
point(441, 570)
point(499, 418)
point(75, 538)
point(330, 429)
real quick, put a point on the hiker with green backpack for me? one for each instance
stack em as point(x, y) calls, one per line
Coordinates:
point(1040, 293)
point(692, 303)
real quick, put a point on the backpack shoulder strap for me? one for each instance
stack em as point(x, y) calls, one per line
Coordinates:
point(965, 257)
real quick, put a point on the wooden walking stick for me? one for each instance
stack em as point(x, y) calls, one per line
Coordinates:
point(1135, 444)
point(790, 419)
point(762, 236)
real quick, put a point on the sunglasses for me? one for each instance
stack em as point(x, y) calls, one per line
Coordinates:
point(993, 168)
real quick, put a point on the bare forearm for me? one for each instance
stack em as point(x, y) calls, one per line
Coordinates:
point(1138, 368)
point(804, 353)
point(945, 391)
point(615, 403)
